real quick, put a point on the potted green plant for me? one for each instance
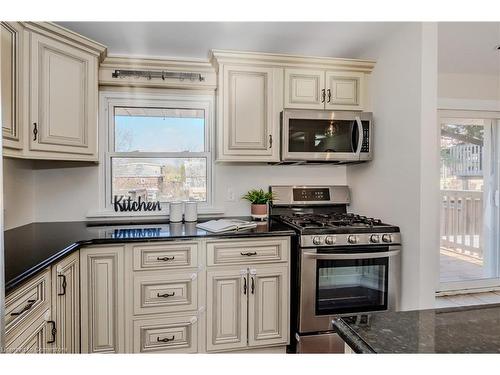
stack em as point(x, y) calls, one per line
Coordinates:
point(259, 200)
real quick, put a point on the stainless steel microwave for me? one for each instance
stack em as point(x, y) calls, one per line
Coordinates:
point(326, 136)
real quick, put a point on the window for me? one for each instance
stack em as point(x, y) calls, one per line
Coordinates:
point(157, 147)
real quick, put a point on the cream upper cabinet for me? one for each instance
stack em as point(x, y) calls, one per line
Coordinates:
point(227, 292)
point(66, 303)
point(102, 299)
point(10, 80)
point(324, 89)
point(63, 97)
point(49, 92)
point(304, 89)
point(268, 320)
point(344, 90)
point(249, 104)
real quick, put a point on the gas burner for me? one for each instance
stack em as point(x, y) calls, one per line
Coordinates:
point(330, 220)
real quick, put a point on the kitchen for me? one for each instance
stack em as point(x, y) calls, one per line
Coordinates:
point(129, 146)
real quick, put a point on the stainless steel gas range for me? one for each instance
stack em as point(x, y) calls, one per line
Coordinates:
point(343, 263)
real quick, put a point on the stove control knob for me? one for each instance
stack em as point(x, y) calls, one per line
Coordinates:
point(317, 240)
point(330, 240)
point(387, 238)
point(375, 238)
point(352, 239)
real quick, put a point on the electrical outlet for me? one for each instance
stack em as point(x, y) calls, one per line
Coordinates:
point(230, 195)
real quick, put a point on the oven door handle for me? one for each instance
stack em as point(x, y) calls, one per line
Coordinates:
point(360, 136)
point(323, 256)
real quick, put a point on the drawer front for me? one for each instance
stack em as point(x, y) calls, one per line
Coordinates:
point(158, 292)
point(169, 335)
point(27, 300)
point(249, 251)
point(165, 256)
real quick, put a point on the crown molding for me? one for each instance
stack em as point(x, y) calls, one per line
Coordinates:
point(282, 60)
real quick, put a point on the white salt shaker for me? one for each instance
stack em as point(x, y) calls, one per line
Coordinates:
point(175, 212)
point(191, 211)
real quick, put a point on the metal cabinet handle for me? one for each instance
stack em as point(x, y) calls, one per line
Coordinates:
point(35, 131)
point(329, 95)
point(270, 141)
point(166, 339)
point(53, 332)
point(30, 304)
point(165, 259)
point(245, 286)
point(252, 287)
point(165, 295)
point(63, 285)
point(249, 253)
point(323, 96)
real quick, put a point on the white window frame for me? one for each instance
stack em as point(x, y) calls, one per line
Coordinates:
point(189, 99)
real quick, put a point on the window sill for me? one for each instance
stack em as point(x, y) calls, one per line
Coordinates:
point(139, 216)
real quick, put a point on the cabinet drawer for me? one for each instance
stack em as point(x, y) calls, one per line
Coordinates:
point(165, 256)
point(158, 292)
point(177, 334)
point(247, 251)
point(27, 300)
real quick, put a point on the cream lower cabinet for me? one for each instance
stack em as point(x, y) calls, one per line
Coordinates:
point(102, 279)
point(227, 313)
point(247, 302)
point(66, 303)
point(268, 311)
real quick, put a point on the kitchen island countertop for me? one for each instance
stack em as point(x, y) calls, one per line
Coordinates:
point(33, 247)
point(470, 329)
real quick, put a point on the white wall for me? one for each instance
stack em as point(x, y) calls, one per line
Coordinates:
point(401, 184)
point(60, 191)
point(19, 192)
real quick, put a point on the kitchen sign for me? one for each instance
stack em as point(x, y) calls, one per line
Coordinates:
point(122, 204)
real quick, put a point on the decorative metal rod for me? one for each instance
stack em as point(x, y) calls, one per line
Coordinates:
point(152, 74)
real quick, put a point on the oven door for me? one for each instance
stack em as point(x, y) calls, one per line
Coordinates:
point(325, 136)
point(337, 282)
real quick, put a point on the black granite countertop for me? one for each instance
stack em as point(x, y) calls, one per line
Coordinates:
point(471, 329)
point(33, 247)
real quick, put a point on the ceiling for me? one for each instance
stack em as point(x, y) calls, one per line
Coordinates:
point(464, 47)
point(195, 39)
point(469, 47)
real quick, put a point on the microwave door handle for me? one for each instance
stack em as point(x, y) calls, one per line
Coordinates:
point(323, 256)
point(360, 136)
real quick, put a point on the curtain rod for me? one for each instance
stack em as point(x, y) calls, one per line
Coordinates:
point(152, 74)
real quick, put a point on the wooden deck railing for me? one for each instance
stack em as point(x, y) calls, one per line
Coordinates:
point(462, 221)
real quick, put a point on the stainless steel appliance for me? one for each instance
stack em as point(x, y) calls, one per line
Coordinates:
point(343, 263)
point(326, 136)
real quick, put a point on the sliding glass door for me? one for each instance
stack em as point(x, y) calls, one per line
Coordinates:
point(469, 180)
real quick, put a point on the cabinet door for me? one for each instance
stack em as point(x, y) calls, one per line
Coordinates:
point(268, 311)
point(344, 90)
point(304, 88)
point(227, 292)
point(66, 303)
point(11, 45)
point(250, 110)
point(102, 299)
point(63, 93)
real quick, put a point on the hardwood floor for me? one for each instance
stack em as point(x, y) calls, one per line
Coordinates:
point(467, 299)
